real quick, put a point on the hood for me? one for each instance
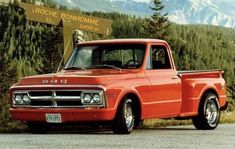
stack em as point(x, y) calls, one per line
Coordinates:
point(86, 77)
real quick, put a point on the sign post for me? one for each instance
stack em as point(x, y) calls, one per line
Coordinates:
point(68, 40)
point(70, 21)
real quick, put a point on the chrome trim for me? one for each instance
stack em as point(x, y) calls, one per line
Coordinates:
point(59, 86)
point(101, 93)
point(59, 98)
point(54, 99)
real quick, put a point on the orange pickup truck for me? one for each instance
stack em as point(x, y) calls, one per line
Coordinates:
point(123, 82)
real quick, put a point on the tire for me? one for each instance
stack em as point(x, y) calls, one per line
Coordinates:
point(38, 128)
point(125, 119)
point(208, 114)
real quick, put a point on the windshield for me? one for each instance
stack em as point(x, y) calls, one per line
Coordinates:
point(107, 56)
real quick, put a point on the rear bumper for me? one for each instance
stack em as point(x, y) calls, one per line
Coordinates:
point(223, 102)
point(67, 115)
point(224, 107)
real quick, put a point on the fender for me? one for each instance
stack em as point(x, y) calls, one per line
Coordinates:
point(205, 89)
point(125, 92)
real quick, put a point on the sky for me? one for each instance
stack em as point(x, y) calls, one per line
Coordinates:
point(142, 0)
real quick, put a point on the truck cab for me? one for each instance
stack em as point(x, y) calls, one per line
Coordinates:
point(121, 82)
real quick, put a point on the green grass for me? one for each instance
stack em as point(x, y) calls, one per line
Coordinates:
point(226, 117)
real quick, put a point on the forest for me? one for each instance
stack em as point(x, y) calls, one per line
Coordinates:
point(30, 48)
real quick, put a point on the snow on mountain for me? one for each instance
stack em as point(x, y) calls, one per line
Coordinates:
point(215, 12)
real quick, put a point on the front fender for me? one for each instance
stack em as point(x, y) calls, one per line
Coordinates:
point(115, 96)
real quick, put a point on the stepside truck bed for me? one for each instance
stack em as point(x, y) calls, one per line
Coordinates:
point(193, 87)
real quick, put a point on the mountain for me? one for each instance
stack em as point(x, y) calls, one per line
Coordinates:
point(214, 12)
point(123, 6)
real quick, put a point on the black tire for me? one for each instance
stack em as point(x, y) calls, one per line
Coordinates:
point(38, 127)
point(208, 114)
point(125, 118)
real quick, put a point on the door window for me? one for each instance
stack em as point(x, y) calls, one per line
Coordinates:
point(159, 58)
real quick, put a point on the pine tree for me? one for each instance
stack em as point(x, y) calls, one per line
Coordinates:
point(157, 25)
point(52, 49)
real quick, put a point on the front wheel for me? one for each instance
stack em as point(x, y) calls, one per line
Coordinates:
point(125, 118)
point(208, 114)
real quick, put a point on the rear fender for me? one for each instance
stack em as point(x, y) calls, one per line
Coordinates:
point(208, 89)
point(193, 91)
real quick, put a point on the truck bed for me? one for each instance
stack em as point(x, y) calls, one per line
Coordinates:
point(196, 82)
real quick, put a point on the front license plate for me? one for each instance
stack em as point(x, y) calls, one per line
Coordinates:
point(53, 118)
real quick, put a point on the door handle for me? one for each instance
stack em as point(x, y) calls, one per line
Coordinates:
point(175, 77)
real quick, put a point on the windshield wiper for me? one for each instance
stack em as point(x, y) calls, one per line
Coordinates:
point(110, 66)
point(74, 68)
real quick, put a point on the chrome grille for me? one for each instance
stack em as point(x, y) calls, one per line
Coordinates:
point(55, 98)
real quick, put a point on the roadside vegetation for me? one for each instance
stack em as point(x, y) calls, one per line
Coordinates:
point(226, 117)
point(29, 48)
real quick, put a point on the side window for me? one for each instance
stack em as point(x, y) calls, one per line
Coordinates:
point(160, 58)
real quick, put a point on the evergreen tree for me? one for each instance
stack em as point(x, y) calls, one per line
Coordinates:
point(52, 45)
point(7, 73)
point(157, 25)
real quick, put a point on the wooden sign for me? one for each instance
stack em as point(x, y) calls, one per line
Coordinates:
point(69, 21)
point(76, 20)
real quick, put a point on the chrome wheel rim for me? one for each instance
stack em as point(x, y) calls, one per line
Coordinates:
point(128, 114)
point(211, 111)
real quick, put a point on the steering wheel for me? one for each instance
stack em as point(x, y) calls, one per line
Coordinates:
point(135, 62)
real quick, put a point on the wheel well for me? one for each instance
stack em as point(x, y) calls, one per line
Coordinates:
point(210, 91)
point(136, 106)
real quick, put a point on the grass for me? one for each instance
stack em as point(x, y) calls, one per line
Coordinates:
point(226, 117)
point(13, 127)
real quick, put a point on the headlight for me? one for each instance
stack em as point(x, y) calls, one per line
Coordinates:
point(18, 99)
point(96, 98)
point(86, 98)
point(21, 98)
point(26, 99)
point(92, 97)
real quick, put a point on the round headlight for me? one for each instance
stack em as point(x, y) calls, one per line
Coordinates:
point(96, 98)
point(87, 98)
point(26, 99)
point(18, 99)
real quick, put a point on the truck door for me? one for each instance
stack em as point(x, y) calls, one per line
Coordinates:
point(164, 93)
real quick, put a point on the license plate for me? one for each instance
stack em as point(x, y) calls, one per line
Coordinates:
point(53, 118)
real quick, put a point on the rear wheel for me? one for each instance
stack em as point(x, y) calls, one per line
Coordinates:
point(38, 128)
point(208, 114)
point(125, 118)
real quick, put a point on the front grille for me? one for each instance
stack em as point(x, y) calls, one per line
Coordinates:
point(55, 98)
point(68, 93)
point(40, 103)
point(68, 103)
point(39, 93)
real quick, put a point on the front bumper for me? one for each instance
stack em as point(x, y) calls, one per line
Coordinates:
point(67, 114)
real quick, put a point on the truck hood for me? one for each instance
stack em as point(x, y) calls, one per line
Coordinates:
point(88, 77)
